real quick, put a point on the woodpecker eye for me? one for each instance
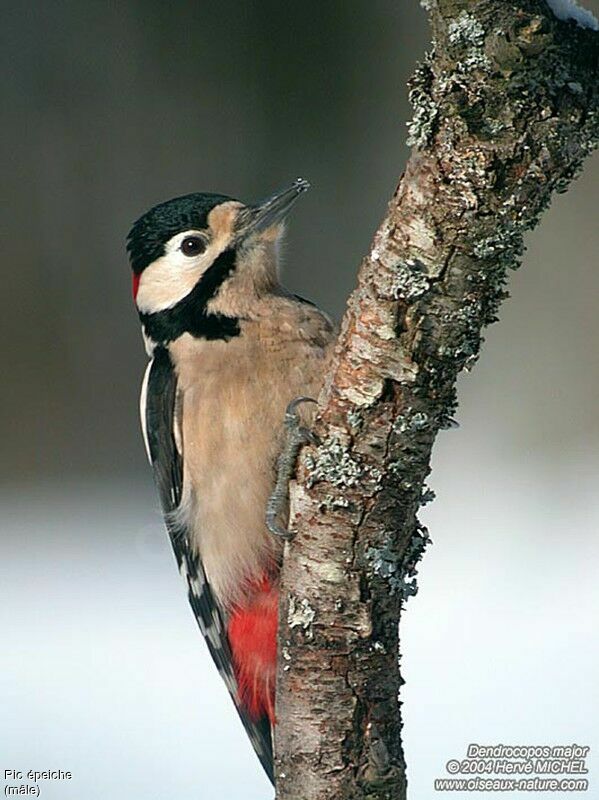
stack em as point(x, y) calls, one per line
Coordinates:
point(193, 246)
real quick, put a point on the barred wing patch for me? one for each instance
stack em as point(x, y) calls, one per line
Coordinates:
point(158, 414)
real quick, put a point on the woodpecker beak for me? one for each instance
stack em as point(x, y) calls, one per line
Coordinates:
point(271, 211)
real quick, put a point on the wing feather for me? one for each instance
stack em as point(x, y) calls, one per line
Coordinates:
point(158, 413)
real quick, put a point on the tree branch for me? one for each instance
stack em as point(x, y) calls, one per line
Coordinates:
point(505, 110)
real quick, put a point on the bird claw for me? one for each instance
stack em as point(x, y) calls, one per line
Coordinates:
point(297, 435)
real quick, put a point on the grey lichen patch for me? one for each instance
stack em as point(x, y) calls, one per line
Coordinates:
point(409, 281)
point(421, 126)
point(467, 32)
point(286, 657)
point(466, 29)
point(332, 463)
point(466, 349)
point(471, 361)
point(505, 245)
point(395, 468)
point(399, 571)
point(408, 278)
point(412, 421)
point(300, 614)
point(334, 501)
point(374, 474)
point(473, 174)
point(475, 59)
point(355, 419)
point(418, 544)
point(386, 563)
point(398, 469)
point(467, 316)
point(462, 324)
point(379, 647)
point(427, 495)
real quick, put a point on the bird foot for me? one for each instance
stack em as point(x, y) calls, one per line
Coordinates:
point(296, 435)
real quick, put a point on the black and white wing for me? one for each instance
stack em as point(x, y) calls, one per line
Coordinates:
point(158, 415)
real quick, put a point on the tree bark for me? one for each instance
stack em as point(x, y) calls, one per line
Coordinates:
point(505, 110)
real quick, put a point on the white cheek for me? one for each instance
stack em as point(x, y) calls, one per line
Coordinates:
point(168, 280)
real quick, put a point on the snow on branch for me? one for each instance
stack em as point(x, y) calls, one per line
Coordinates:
point(569, 9)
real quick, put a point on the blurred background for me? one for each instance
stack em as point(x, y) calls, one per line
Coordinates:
point(110, 108)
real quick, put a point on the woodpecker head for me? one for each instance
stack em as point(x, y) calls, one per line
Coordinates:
point(200, 260)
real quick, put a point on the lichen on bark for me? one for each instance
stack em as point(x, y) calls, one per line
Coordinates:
point(506, 109)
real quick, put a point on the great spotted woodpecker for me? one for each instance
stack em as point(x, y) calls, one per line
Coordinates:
point(230, 348)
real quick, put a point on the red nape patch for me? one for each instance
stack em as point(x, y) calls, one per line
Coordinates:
point(253, 637)
point(136, 279)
